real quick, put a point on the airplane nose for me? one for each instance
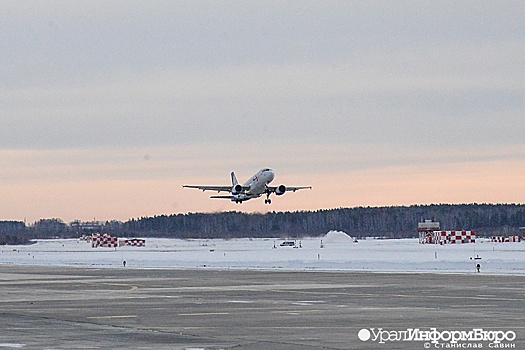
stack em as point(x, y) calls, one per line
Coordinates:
point(271, 175)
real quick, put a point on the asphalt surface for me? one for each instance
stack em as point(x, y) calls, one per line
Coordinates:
point(87, 308)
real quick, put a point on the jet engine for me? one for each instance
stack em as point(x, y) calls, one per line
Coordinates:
point(237, 189)
point(280, 190)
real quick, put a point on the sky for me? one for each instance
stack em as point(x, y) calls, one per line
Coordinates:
point(108, 107)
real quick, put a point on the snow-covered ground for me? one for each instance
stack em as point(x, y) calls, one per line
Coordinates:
point(339, 253)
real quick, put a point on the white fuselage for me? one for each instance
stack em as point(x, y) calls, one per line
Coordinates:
point(256, 184)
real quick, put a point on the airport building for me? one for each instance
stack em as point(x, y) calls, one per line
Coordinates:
point(503, 239)
point(430, 233)
point(105, 240)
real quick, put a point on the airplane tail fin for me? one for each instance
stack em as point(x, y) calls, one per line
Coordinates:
point(234, 179)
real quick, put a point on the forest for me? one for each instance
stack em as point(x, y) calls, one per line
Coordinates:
point(386, 222)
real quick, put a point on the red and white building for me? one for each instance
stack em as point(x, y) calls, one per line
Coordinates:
point(103, 240)
point(502, 239)
point(132, 242)
point(448, 237)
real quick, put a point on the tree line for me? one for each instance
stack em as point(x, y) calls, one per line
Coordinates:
point(387, 222)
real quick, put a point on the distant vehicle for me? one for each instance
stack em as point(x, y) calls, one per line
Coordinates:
point(287, 244)
point(253, 188)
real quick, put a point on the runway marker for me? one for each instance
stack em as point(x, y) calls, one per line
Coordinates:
point(108, 317)
point(13, 346)
point(205, 314)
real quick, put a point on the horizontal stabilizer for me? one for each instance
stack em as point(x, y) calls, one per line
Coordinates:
point(222, 197)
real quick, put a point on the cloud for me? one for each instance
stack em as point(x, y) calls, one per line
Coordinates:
point(362, 102)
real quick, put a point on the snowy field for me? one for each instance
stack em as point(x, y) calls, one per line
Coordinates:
point(339, 253)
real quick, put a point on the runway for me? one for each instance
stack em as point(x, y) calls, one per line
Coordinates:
point(123, 308)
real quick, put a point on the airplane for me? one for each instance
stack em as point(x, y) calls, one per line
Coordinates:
point(255, 187)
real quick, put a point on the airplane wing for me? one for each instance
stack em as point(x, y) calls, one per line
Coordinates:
point(211, 188)
point(218, 188)
point(241, 197)
point(277, 189)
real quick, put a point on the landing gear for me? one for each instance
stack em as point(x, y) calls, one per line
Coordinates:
point(268, 200)
point(268, 193)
